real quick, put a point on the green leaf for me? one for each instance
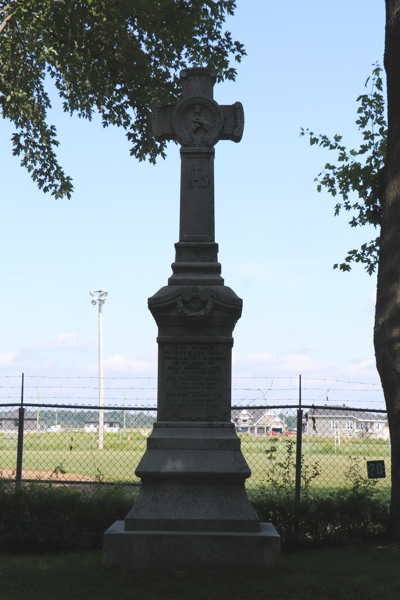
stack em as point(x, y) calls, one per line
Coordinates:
point(114, 57)
point(359, 176)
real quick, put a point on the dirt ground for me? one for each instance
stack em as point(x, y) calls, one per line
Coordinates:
point(45, 475)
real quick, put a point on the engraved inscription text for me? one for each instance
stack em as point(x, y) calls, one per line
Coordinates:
point(195, 377)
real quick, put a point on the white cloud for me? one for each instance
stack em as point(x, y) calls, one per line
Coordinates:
point(364, 364)
point(63, 341)
point(300, 363)
point(296, 362)
point(264, 357)
point(235, 358)
point(7, 358)
point(364, 368)
point(127, 364)
point(263, 377)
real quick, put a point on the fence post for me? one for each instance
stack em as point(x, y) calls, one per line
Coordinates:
point(299, 434)
point(20, 441)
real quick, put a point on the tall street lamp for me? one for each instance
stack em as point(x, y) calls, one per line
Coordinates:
point(98, 297)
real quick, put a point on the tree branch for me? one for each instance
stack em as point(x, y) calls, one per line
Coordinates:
point(10, 6)
point(4, 23)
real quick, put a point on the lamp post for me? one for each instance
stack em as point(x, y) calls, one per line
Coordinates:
point(98, 297)
point(38, 411)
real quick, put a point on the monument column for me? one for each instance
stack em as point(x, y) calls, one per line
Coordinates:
point(193, 472)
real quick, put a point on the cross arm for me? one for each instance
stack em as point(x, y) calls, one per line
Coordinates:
point(162, 121)
point(232, 129)
point(233, 122)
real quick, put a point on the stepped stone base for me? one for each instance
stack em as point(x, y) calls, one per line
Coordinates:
point(173, 551)
point(192, 507)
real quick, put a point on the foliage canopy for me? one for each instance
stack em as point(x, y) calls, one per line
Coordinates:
point(111, 56)
point(361, 171)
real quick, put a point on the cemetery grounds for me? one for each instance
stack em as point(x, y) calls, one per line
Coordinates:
point(356, 572)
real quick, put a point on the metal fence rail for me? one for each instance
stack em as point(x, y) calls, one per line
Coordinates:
point(59, 443)
point(313, 449)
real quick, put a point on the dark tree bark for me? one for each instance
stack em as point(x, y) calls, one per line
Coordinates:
point(387, 317)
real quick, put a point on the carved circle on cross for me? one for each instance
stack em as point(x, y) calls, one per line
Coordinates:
point(197, 121)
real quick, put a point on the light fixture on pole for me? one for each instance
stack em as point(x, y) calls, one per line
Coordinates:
point(98, 297)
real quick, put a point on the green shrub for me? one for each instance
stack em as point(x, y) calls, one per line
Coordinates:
point(342, 515)
point(351, 512)
point(40, 518)
point(43, 518)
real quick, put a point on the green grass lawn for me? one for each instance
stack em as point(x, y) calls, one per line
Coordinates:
point(75, 453)
point(364, 572)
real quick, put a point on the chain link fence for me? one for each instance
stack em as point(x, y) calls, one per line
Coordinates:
point(288, 437)
point(315, 449)
point(60, 443)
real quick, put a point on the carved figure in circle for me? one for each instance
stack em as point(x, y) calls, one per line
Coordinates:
point(199, 122)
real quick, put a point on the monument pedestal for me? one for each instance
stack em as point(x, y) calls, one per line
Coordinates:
point(192, 513)
point(193, 480)
point(191, 551)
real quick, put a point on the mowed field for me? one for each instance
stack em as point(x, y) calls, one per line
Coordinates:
point(73, 455)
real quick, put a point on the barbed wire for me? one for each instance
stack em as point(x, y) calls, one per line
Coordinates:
point(84, 377)
point(264, 391)
point(87, 387)
point(70, 398)
point(155, 377)
point(339, 381)
point(70, 387)
point(294, 401)
point(267, 395)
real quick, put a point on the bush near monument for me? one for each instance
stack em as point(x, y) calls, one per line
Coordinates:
point(39, 518)
point(43, 518)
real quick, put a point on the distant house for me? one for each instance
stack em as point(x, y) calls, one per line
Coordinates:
point(344, 422)
point(9, 421)
point(110, 425)
point(258, 421)
point(54, 428)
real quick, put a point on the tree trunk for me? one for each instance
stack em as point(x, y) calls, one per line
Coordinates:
point(387, 316)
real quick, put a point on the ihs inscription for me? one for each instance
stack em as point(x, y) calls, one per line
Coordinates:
point(197, 177)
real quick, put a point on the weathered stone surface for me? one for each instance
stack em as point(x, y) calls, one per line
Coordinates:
point(192, 506)
point(195, 351)
point(191, 465)
point(197, 122)
point(172, 551)
point(193, 478)
point(192, 513)
point(187, 452)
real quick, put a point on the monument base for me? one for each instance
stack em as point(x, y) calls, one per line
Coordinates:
point(190, 551)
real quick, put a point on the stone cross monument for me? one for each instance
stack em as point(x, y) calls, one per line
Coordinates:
point(192, 513)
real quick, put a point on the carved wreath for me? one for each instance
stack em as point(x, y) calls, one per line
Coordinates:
point(195, 304)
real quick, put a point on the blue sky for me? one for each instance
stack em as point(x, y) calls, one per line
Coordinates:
point(307, 63)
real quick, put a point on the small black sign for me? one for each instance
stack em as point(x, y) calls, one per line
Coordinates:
point(376, 469)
